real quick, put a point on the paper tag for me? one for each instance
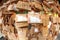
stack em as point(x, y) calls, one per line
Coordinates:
point(57, 27)
point(34, 18)
point(10, 7)
point(55, 37)
point(49, 25)
point(36, 30)
point(20, 18)
point(1, 20)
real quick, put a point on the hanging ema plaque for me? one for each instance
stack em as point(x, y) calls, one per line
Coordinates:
point(23, 5)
